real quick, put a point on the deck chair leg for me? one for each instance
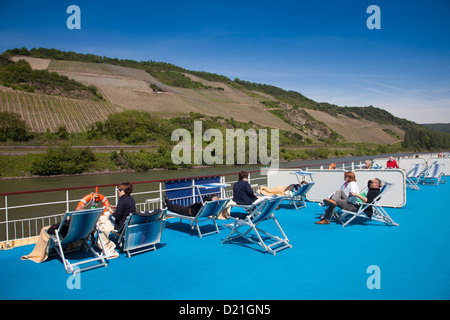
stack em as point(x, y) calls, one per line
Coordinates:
point(60, 251)
point(261, 242)
point(104, 253)
point(383, 216)
point(198, 229)
point(351, 219)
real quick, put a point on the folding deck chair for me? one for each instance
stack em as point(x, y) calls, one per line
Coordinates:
point(82, 225)
point(142, 232)
point(298, 197)
point(379, 214)
point(263, 212)
point(412, 177)
point(208, 212)
point(433, 175)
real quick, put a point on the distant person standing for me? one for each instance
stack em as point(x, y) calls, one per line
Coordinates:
point(391, 163)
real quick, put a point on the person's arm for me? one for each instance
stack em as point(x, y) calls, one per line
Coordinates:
point(371, 195)
point(250, 192)
point(363, 199)
point(118, 213)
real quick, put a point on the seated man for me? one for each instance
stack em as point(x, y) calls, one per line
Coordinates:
point(242, 191)
point(373, 192)
point(190, 210)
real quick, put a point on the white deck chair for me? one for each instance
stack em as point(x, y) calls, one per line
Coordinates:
point(434, 174)
point(208, 212)
point(298, 197)
point(379, 214)
point(142, 232)
point(82, 225)
point(412, 177)
point(261, 213)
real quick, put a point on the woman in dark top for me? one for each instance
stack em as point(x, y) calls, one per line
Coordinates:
point(242, 192)
point(125, 206)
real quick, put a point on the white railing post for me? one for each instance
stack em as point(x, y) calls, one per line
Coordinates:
point(67, 201)
point(160, 195)
point(193, 191)
point(7, 223)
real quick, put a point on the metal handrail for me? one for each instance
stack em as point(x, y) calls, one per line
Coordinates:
point(27, 228)
point(26, 232)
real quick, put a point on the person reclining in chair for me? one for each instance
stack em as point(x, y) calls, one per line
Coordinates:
point(373, 185)
point(191, 210)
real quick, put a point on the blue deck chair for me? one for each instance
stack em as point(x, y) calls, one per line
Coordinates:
point(259, 214)
point(298, 197)
point(82, 225)
point(208, 212)
point(142, 232)
point(434, 174)
point(379, 213)
point(413, 175)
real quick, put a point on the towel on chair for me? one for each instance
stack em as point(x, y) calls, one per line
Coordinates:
point(275, 191)
point(40, 251)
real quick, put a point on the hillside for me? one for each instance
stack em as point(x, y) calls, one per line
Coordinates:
point(126, 88)
point(441, 127)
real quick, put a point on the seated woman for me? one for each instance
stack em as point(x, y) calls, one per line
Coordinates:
point(109, 222)
point(342, 195)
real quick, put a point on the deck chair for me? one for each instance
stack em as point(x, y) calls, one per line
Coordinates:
point(298, 197)
point(142, 231)
point(261, 213)
point(433, 175)
point(412, 177)
point(82, 225)
point(379, 214)
point(208, 212)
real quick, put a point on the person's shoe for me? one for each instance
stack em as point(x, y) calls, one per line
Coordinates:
point(329, 202)
point(323, 221)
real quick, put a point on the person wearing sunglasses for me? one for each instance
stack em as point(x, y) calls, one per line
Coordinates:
point(125, 205)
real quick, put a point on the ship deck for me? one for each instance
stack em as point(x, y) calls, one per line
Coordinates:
point(325, 262)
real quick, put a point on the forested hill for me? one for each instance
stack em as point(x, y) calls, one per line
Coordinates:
point(441, 127)
point(174, 76)
point(110, 85)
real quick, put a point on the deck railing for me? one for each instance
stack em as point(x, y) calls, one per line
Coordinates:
point(14, 228)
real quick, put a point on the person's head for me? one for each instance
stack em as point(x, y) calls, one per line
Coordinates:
point(243, 175)
point(349, 176)
point(368, 164)
point(125, 188)
point(212, 197)
point(374, 183)
point(391, 158)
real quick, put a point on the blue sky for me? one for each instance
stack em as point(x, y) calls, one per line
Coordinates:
point(322, 49)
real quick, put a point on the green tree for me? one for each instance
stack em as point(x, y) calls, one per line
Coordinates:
point(12, 127)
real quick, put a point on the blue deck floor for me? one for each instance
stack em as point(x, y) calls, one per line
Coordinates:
point(325, 262)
